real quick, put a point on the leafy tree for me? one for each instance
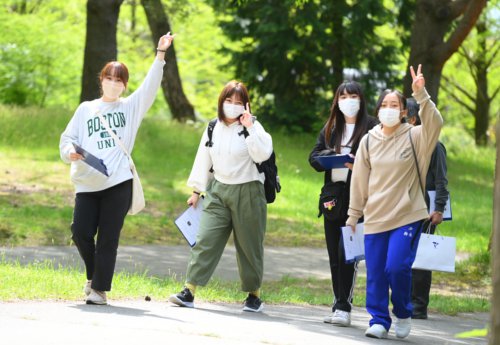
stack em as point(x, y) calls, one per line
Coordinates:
point(479, 53)
point(293, 54)
point(159, 24)
point(439, 28)
point(100, 43)
point(40, 63)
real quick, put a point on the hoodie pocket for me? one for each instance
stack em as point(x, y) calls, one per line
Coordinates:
point(83, 174)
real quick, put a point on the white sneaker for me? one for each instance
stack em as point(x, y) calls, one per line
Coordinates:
point(97, 297)
point(376, 331)
point(402, 327)
point(341, 318)
point(88, 287)
point(328, 318)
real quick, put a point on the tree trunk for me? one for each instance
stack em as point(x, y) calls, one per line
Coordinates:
point(337, 15)
point(495, 301)
point(100, 44)
point(433, 20)
point(159, 25)
point(482, 113)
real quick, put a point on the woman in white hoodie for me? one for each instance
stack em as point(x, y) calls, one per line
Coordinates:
point(388, 190)
point(225, 170)
point(103, 195)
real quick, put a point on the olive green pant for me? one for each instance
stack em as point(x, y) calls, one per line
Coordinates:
point(242, 208)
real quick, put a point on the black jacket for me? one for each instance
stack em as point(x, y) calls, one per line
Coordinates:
point(436, 177)
point(320, 149)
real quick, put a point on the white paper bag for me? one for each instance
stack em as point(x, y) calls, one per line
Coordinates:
point(138, 203)
point(435, 253)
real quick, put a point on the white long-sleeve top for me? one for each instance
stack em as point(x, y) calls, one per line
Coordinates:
point(124, 118)
point(232, 156)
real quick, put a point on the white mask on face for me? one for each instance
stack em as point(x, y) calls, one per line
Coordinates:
point(232, 111)
point(389, 117)
point(349, 107)
point(112, 89)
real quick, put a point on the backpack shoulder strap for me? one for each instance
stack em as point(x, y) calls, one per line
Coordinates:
point(210, 131)
point(244, 132)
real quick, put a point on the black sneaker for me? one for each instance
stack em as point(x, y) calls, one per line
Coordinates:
point(419, 316)
point(419, 313)
point(253, 304)
point(183, 299)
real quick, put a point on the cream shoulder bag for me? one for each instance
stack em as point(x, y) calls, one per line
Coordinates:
point(138, 202)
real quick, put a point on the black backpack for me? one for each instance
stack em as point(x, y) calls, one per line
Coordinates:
point(272, 180)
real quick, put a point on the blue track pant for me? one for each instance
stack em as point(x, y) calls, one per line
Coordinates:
point(389, 256)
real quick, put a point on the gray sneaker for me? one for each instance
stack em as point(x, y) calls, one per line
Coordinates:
point(97, 297)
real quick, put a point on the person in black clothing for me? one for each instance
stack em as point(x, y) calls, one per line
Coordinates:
point(347, 124)
point(436, 181)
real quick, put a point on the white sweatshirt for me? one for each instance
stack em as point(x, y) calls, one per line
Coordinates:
point(232, 156)
point(124, 118)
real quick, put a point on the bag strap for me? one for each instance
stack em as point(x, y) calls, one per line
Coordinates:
point(367, 146)
point(210, 132)
point(416, 163)
point(115, 137)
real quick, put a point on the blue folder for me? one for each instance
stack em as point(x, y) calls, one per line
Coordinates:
point(91, 160)
point(335, 161)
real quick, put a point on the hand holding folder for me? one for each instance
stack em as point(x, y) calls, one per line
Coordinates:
point(188, 222)
point(354, 244)
point(335, 161)
point(91, 160)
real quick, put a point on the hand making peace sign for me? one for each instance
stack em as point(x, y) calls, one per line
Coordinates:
point(418, 79)
point(246, 118)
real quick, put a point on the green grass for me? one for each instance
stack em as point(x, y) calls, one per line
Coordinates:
point(36, 196)
point(43, 281)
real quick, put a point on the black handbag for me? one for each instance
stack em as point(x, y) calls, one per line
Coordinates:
point(334, 201)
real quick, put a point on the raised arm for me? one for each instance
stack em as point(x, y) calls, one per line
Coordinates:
point(430, 116)
point(259, 142)
point(144, 96)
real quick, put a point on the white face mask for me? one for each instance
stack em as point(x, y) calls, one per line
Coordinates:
point(389, 117)
point(111, 89)
point(232, 111)
point(349, 107)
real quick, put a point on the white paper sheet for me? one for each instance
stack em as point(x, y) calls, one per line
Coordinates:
point(447, 208)
point(188, 222)
point(354, 243)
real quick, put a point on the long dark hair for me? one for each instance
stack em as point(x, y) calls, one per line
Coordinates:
point(336, 121)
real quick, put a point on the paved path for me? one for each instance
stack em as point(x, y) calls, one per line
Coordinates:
point(140, 322)
point(163, 261)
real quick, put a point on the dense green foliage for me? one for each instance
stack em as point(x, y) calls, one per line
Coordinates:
point(283, 49)
point(292, 53)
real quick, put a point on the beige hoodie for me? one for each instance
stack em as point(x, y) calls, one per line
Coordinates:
point(385, 186)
